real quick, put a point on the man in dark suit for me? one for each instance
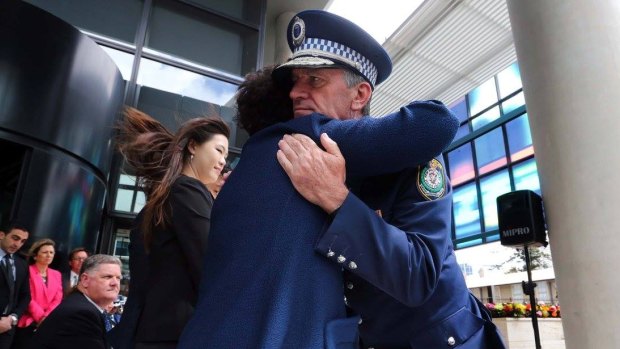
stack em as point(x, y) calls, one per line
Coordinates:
point(14, 286)
point(78, 322)
point(71, 277)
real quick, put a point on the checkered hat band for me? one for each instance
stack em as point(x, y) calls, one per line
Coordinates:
point(334, 49)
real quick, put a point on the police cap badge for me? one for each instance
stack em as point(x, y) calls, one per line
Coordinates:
point(322, 39)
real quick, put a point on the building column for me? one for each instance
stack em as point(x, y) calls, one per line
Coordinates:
point(569, 56)
point(283, 52)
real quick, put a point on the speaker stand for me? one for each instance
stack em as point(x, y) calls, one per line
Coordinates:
point(528, 288)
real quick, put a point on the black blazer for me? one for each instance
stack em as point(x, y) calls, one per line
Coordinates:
point(75, 324)
point(22, 289)
point(175, 262)
point(122, 335)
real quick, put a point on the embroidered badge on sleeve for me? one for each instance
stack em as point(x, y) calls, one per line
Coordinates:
point(432, 181)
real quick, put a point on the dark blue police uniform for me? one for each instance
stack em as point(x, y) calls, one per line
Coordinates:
point(263, 285)
point(393, 239)
point(392, 234)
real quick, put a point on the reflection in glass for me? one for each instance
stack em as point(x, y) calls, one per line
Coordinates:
point(519, 138)
point(513, 103)
point(482, 97)
point(175, 80)
point(509, 80)
point(461, 164)
point(484, 119)
point(466, 214)
point(491, 187)
point(123, 60)
point(123, 200)
point(490, 152)
point(526, 176)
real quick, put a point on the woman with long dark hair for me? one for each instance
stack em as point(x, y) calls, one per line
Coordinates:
point(175, 170)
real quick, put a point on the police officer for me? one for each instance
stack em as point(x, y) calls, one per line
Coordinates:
point(390, 233)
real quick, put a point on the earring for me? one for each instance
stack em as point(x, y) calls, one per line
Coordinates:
point(191, 157)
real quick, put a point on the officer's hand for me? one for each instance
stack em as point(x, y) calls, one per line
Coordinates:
point(319, 176)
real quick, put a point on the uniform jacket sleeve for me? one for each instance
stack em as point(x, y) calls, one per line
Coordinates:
point(403, 258)
point(413, 135)
point(191, 216)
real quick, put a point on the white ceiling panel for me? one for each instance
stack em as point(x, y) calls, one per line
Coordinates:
point(444, 50)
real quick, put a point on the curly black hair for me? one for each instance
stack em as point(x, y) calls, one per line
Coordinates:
point(262, 102)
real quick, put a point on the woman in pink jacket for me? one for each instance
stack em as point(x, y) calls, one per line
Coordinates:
point(45, 291)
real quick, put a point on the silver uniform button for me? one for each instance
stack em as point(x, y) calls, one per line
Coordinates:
point(451, 341)
point(341, 259)
point(352, 265)
point(330, 253)
point(359, 322)
point(350, 285)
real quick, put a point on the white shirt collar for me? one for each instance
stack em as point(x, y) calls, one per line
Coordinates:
point(95, 304)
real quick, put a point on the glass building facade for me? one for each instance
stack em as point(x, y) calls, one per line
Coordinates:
point(491, 155)
point(183, 59)
point(179, 59)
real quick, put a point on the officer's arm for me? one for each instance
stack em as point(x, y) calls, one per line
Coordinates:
point(405, 259)
point(404, 139)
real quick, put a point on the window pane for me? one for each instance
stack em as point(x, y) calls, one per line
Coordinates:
point(140, 201)
point(519, 138)
point(117, 19)
point(490, 152)
point(526, 176)
point(513, 103)
point(123, 200)
point(517, 293)
point(466, 214)
point(484, 119)
point(462, 132)
point(492, 187)
point(469, 243)
point(493, 237)
point(202, 38)
point(459, 108)
point(175, 80)
point(127, 180)
point(461, 164)
point(482, 97)
point(123, 60)
point(509, 80)
point(248, 10)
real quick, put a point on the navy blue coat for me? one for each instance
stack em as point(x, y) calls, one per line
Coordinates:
point(401, 274)
point(263, 286)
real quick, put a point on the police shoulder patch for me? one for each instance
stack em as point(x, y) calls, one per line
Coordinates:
point(431, 180)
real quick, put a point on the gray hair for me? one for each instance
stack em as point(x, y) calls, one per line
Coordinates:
point(93, 262)
point(353, 79)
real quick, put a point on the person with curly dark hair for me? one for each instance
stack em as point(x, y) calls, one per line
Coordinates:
point(263, 286)
point(261, 102)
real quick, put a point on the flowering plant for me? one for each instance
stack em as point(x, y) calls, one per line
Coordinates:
point(523, 310)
